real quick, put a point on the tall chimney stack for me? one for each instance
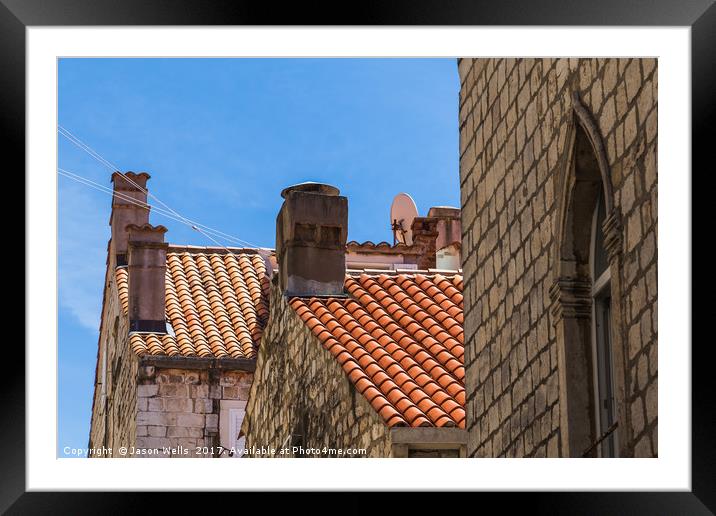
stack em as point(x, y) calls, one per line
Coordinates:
point(449, 241)
point(129, 206)
point(425, 234)
point(147, 267)
point(311, 232)
point(449, 227)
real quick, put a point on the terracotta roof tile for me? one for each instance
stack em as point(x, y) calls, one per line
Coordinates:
point(399, 339)
point(216, 304)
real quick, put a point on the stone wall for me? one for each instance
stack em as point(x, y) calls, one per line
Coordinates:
point(115, 397)
point(179, 410)
point(301, 396)
point(433, 454)
point(515, 120)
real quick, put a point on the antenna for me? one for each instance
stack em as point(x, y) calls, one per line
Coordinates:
point(402, 213)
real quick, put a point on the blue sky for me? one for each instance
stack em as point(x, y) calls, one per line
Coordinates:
point(221, 138)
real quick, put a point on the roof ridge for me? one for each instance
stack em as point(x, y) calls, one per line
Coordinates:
point(216, 249)
point(408, 272)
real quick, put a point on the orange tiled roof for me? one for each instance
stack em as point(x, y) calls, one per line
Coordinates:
point(216, 303)
point(399, 338)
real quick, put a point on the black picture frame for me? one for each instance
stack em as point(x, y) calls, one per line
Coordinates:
point(700, 15)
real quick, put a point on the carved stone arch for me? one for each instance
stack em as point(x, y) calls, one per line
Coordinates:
point(584, 126)
point(589, 126)
point(585, 178)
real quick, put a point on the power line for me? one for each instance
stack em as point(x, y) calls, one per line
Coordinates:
point(101, 188)
point(89, 150)
point(97, 186)
point(74, 139)
point(131, 200)
point(191, 223)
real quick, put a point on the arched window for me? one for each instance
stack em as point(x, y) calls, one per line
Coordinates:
point(585, 300)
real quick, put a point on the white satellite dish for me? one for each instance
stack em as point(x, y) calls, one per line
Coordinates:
point(402, 213)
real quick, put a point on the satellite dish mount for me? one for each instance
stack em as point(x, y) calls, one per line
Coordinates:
point(402, 213)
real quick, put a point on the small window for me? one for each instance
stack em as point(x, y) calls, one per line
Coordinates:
point(236, 417)
point(231, 416)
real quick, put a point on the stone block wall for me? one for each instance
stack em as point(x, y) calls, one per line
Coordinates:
point(115, 397)
point(515, 117)
point(433, 454)
point(179, 410)
point(302, 395)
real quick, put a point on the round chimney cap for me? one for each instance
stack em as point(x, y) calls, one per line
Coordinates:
point(311, 187)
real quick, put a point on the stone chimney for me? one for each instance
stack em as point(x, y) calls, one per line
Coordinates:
point(311, 231)
point(147, 259)
point(425, 235)
point(125, 212)
point(449, 227)
point(449, 240)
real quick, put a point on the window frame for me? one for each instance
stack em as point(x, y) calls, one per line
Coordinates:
point(601, 345)
point(229, 425)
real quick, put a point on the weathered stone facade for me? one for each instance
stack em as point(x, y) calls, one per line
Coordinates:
point(523, 306)
point(302, 397)
point(178, 410)
point(114, 406)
